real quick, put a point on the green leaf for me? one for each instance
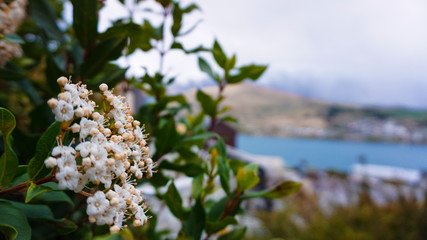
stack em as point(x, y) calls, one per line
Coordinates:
point(166, 136)
point(54, 197)
point(47, 141)
point(34, 190)
point(39, 212)
point(236, 234)
point(213, 227)
point(11, 75)
point(204, 67)
point(252, 72)
point(200, 137)
point(7, 122)
point(13, 222)
point(207, 103)
point(174, 202)
point(194, 225)
point(13, 38)
point(112, 77)
point(197, 186)
point(190, 169)
point(230, 63)
point(284, 189)
point(177, 19)
point(223, 166)
point(217, 210)
point(43, 14)
point(85, 22)
point(139, 35)
point(247, 177)
point(104, 51)
point(219, 55)
point(8, 160)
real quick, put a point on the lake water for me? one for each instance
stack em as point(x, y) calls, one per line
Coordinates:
point(334, 154)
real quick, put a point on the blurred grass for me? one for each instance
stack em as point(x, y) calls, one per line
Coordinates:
point(304, 220)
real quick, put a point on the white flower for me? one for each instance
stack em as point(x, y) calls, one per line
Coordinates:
point(97, 204)
point(140, 215)
point(86, 126)
point(85, 148)
point(63, 111)
point(63, 150)
point(68, 178)
point(66, 160)
point(50, 162)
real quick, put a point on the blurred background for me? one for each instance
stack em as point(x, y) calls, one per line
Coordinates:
point(342, 106)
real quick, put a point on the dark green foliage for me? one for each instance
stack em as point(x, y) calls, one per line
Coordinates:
point(38, 209)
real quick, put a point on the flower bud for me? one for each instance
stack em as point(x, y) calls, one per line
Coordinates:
point(118, 124)
point(50, 162)
point(92, 219)
point(75, 128)
point(110, 98)
point(78, 112)
point(63, 96)
point(103, 87)
point(62, 81)
point(137, 223)
point(86, 162)
point(52, 103)
point(133, 169)
point(96, 115)
point(114, 201)
point(126, 164)
point(114, 229)
point(136, 123)
point(94, 131)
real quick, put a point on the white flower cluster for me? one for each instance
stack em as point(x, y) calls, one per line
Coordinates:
point(110, 150)
point(11, 16)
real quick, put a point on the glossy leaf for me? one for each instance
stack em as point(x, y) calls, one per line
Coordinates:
point(213, 227)
point(204, 67)
point(85, 22)
point(252, 72)
point(284, 189)
point(103, 52)
point(7, 122)
point(8, 160)
point(174, 202)
point(12, 38)
point(195, 224)
point(197, 186)
point(219, 55)
point(217, 210)
point(207, 103)
point(13, 223)
point(177, 19)
point(112, 77)
point(54, 197)
point(47, 141)
point(247, 177)
point(189, 169)
point(166, 131)
point(235, 234)
point(43, 15)
point(34, 190)
point(223, 166)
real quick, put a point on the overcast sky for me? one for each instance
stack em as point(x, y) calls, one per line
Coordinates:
point(363, 51)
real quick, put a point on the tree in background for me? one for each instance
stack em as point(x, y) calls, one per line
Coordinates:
point(35, 197)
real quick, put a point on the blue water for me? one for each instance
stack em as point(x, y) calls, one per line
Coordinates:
point(335, 154)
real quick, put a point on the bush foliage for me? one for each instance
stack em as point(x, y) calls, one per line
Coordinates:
point(31, 204)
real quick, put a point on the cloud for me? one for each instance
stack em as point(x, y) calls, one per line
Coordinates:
point(379, 46)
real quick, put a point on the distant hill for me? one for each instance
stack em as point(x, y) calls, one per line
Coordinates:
point(265, 111)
